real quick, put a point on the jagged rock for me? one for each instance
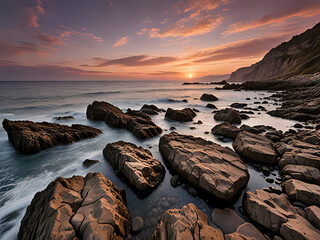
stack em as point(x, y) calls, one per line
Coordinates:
point(185, 223)
point(137, 164)
point(302, 192)
point(304, 173)
point(306, 159)
point(254, 147)
point(136, 113)
point(32, 137)
point(89, 162)
point(276, 213)
point(208, 97)
point(137, 122)
point(214, 169)
point(225, 129)
point(77, 208)
point(184, 115)
point(228, 115)
point(63, 118)
point(150, 109)
point(238, 105)
point(313, 215)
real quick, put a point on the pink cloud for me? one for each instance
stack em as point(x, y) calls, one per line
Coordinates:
point(121, 42)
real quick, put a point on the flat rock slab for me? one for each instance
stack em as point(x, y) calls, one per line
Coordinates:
point(137, 164)
point(183, 115)
point(139, 124)
point(88, 207)
point(301, 158)
point(228, 115)
point(276, 213)
point(254, 147)
point(313, 215)
point(185, 223)
point(302, 192)
point(304, 173)
point(214, 169)
point(32, 137)
point(225, 129)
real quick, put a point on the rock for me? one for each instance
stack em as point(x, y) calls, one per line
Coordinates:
point(173, 128)
point(304, 173)
point(226, 219)
point(62, 118)
point(210, 105)
point(250, 232)
point(32, 137)
point(208, 97)
point(313, 215)
point(185, 100)
point(238, 105)
point(254, 147)
point(184, 115)
point(140, 125)
point(150, 109)
point(137, 224)
point(225, 129)
point(89, 163)
point(306, 159)
point(185, 223)
point(192, 191)
point(275, 213)
point(244, 116)
point(199, 122)
point(137, 164)
point(140, 114)
point(175, 181)
point(302, 192)
point(212, 168)
point(298, 125)
point(77, 208)
point(265, 170)
point(269, 180)
point(228, 115)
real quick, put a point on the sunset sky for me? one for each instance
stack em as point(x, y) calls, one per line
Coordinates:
point(143, 39)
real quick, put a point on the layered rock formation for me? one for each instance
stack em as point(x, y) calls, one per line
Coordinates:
point(228, 115)
point(137, 164)
point(212, 168)
point(185, 223)
point(77, 208)
point(225, 129)
point(140, 125)
point(32, 137)
point(183, 115)
point(150, 109)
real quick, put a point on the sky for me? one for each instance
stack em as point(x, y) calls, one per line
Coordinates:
point(143, 39)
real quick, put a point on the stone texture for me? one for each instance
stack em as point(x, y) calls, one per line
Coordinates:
point(254, 147)
point(302, 192)
point(228, 115)
point(150, 109)
point(302, 158)
point(304, 173)
point(208, 97)
point(276, 213)
point(137, 164)
point(185, 223)
point(214, 169)
point(313, 215)
point(138, 123)
point(225, 129)
point(183, 115)
point(32, 137)
point(77, 208)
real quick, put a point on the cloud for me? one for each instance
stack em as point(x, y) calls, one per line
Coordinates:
point(32, 13)
point(52, 40)
point(137, 61)
point(10, 49)
point(196, 6)
point(276, 19)
point(142, 31)
point(164, 73)
point(121, 42)
point(187, 27)
point(69, 33)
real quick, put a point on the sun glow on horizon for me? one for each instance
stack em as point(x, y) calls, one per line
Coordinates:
point(189, 75)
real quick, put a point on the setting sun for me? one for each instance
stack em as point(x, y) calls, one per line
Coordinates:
point(190, 75)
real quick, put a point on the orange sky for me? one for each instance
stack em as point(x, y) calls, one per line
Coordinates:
point(143, 39)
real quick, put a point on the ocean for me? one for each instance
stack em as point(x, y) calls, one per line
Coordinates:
point(21, 176)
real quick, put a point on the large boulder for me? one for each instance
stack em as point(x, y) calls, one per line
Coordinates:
point(88, 207)
point(302, 192)
point(214, 169)
point(150, 109)
point(276, 213)
point(304, 173)
point(183, 115)
point(254, 147)
point(32, 137)
point(137, 164)
point(225, 129)
point(300, 158)
point(208, 97)
point(228, 115)
point(139, 123)
point(185, 223)
point(313, 215)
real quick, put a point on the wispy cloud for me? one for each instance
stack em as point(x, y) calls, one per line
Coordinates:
point(11, 49)
point(69, 33)
point(32, 13)
point(120, 42)
point(51, 40)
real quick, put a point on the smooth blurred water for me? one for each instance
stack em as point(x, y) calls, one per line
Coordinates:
point(21, 176)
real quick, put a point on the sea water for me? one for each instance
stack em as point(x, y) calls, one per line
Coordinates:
point(21, 176)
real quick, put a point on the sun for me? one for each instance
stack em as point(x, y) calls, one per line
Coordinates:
point(189, 75)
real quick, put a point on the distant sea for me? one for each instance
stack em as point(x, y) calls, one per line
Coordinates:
point(21, 176)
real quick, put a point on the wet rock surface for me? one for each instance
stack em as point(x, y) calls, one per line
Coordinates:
point(150, 109)
point(208, 97)
point(140, 125)
point(228, 115)
point(137, 164)
point(225, 129)
point(185, 223)
point(32, 137)
point(183, 115)
point(212, 168)
point(88, 207)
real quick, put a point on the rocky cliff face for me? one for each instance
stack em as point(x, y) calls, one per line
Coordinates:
point(299, 56)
